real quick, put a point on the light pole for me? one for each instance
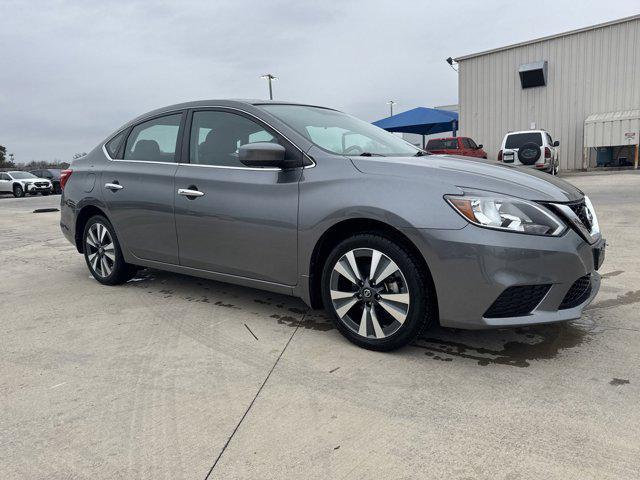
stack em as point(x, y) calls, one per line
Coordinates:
point(269, 77)
point(391, 104)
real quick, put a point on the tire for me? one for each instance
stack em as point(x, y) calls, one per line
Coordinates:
point(18, 191)
point(390, 322)
point(529, 153)
point(107, 265)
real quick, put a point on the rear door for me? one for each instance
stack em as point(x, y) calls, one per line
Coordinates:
point(138, 187)
point(245, 220)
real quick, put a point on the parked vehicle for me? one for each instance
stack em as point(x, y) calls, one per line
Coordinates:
point(530, 148)
point(463, 146)
point(21, 183)
point(51, 174)
point(311, 202)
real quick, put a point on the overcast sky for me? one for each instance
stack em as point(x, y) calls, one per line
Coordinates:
point(72, 72)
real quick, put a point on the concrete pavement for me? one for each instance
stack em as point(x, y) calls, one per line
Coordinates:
point(168, 375)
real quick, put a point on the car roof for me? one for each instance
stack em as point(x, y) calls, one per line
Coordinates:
point(240, 103)
point(527, 131)
point(226, 103)
point(445, 138)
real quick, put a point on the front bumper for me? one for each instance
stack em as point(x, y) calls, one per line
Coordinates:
point(473, 266)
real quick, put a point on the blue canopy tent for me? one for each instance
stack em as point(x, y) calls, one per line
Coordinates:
point(421, 120)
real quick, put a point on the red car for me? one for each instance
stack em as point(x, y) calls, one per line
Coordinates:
point(464, 146)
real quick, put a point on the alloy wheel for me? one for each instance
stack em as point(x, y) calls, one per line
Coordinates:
point(100, 250)
point(369, 293)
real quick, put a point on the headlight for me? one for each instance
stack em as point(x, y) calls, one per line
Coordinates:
point(591, 215)
point(506, 213)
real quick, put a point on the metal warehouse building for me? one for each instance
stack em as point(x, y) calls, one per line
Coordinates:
point(582, 86)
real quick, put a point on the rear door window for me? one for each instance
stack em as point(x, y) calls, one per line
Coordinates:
point(113, 145)
point(155, 140)
point(517, 140)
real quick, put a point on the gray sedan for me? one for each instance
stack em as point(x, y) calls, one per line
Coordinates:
point(311, 202)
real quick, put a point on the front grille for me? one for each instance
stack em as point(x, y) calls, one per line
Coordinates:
point(578, 293)
point(517, 301)
point(580, 209)
point(40, 184)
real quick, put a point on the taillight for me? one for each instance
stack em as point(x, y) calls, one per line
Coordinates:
point(64, 177)
point(547, 152)
point(500, 156)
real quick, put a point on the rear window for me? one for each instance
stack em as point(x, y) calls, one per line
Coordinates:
point(517, 140)
point(439, 144)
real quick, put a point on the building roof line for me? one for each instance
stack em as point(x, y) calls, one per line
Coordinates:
point(549, 37)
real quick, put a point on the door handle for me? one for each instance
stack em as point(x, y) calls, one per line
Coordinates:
point(190, 193)
point(113, 186)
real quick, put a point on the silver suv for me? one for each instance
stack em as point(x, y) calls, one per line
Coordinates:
point(308, 201)
point(530, 148)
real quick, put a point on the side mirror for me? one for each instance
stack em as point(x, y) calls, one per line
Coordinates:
point(479, 146)
point(556, 143)
point(262, 154)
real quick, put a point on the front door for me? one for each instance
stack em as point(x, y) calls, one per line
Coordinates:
point(5, 183)
point(243, 221)
point(138, 189)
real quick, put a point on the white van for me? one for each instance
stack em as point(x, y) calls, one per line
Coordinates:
point(530, 148)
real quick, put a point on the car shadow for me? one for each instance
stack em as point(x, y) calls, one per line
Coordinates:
point(516, 347)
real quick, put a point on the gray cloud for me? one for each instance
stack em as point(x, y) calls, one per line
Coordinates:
point(73, 71)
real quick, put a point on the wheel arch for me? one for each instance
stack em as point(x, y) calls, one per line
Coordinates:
point(82, 218)
point(353, 226)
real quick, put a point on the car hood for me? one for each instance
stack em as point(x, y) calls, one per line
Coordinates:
point(474, 173)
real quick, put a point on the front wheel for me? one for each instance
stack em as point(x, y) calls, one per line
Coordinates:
point(18, 191)
point(103, 254)
point(377, 292)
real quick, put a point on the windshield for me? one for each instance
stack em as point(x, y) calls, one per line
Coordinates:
point(340, 133)
point(21, 175)
point(516, 140)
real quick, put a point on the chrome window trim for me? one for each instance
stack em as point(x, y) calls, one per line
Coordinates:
point(149, 117)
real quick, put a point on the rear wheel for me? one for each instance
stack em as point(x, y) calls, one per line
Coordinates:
point(103, 254)
point(18, 191)
point(377, 292)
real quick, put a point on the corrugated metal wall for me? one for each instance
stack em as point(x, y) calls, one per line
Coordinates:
point(589, 72)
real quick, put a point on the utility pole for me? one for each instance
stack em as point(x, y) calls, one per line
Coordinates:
point(269, 77)
point(391, 104)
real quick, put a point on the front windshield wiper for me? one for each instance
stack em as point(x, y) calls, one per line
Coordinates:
point(369, 154)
